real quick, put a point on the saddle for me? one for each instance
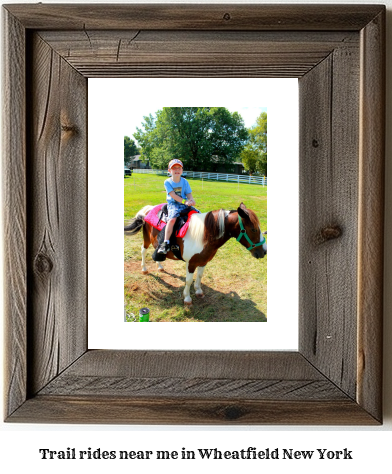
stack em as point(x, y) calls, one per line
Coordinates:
point(180, 222)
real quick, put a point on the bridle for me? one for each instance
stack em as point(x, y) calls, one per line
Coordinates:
point(244, 234)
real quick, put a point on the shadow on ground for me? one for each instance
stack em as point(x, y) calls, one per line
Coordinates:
point(162, 293)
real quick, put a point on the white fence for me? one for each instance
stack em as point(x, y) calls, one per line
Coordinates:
point(233, 178)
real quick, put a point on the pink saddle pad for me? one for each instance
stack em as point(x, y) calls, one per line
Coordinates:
point(152, 218)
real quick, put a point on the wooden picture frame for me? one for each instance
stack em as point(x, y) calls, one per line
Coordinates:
point(338, 54)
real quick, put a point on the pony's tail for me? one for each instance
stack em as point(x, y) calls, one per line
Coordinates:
point(137, 222)
point(134, 225)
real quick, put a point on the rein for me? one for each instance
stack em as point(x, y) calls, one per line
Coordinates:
point(244, 234)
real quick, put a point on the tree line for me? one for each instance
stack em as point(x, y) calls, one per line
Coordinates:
point(203, 138)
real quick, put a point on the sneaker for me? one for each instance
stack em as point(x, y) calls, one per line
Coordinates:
point(163, 248)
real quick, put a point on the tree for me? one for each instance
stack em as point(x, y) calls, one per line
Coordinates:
point(250, 159)
point(130, 149)
point(254, 155)
point(199, 136)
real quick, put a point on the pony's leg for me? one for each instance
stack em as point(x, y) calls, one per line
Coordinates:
point(187, 289)
point(160, 267)
point(199, 275)
point(144, 268)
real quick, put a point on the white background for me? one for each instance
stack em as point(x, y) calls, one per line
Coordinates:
point(19, 444)
point(116, 98)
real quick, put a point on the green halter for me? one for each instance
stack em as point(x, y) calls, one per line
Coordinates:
point(244, 234)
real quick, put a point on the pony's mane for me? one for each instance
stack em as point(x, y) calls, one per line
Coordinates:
point(196, 228)
point(210, 226)
point(215, 225)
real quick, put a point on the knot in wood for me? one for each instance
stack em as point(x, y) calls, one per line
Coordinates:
point(69, 128)
point(232, 413)
point(328, 233)
point(315, 143)
point(43, 264)
point(227, 16)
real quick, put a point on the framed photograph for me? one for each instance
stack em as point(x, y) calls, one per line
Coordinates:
point(337, 53)
point(192, 192)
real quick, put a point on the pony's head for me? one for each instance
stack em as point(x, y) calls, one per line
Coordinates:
point(250, 235)
point(242, 224)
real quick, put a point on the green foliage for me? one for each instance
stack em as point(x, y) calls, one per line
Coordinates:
point(130, 149)
point(254, 155)
point(202, 137)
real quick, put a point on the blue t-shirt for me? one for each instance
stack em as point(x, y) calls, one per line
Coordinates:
point(181, 189)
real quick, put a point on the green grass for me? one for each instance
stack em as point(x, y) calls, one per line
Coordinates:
point(234, 283)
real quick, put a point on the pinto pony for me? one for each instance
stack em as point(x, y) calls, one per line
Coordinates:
point(206, 234)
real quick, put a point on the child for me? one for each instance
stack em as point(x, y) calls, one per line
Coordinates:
point(179, 196)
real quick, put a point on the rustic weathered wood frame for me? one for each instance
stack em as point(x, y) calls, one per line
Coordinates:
point(337, 52)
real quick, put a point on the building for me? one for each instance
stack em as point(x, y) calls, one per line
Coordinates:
point(137, 163)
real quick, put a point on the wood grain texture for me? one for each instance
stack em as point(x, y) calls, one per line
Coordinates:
point(195, 17)
point(179, 375)
point(135, 53)
point(192, 388)
point(57, 208)
point(371, 216)
point(14, 211)
point(329, 134)
point(128, 410)
point(205, 364)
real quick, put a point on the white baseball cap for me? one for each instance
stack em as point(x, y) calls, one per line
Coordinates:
point(175, 162)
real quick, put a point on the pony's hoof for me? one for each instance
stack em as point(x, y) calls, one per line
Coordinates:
point(145, 272)
point(161, 269)
point(188, 304)
point(200, 295)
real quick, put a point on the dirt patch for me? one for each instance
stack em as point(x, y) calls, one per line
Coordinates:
point(162, 292)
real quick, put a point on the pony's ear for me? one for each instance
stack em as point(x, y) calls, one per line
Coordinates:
point(242, 211)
